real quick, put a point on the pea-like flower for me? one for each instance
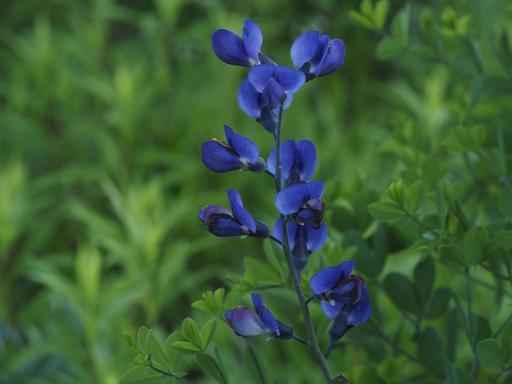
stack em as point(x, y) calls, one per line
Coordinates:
point(298, 161)
point(342, 294)
point(236, 50)
point(267, 87)
point(245, 322)
point(302, 202)
point(302, 239)
point(238, 222)
point(317, 54)
point(238, 152)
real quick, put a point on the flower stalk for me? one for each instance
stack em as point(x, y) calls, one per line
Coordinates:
point(296, 281)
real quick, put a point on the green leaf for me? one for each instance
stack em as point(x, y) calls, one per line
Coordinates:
point(380, 13)
point(430, 350)
point(490, 354)
point(190, 330)
point(386, 211)
point(142, 339)
point(366, 260)
point(156, 352)
point(452, 253)
point(207, 332)
point(506, 338)
point(424, 274)
point(211, 367)
point(475, 241)
point(414, 197)
point(439, 303)
point(139, 375)
point(257, 272)
point(185, 347)
point(364, 20)
point(170, 351)
point(401, 292)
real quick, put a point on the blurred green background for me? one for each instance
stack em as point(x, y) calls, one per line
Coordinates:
point(104, 105)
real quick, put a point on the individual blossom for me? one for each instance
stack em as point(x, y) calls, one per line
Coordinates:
point(298, 161)
point(236, 50)
point(237, 153)
point(302, 203)
point(343, 296)
point(237, 222)
point(245, 322)
point(317, 54)
point(302, 240)
point(266, 89)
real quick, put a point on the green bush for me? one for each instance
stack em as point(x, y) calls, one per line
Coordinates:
point(103, 107)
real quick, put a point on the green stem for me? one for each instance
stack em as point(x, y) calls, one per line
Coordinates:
point(471, 325)
point(378, 334)
point(257, 364)
point(296, 280)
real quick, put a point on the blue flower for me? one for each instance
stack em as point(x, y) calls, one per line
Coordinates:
point(236, 50)
point(238, 153)
point(248, 323)
point(267, 87)
point(302, 202)
point(302, 239)
point(237, 222)
point(317, 54)
point(298, 161)
point(342, 294)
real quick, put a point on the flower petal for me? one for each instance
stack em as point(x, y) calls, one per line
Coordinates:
point(305, 48)
point(240, 213)
point(361, 311)
point(333, 58)
point(260, 75)
point(245, 322)
point(315, 237)
point(291, 231)
point(273, 94)
point(252, 39)
point(287, 151)
point(218, 157)
point(307, 158)
point(242, 145)
point(224, 227)
point(290, 199)
point(315, 189)
point(229, 47)
point(290, 79)
point(248, 100)
point(326, 279)
point(265, 315)
point(331, 308)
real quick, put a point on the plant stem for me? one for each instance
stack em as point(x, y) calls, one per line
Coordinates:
point(296, 280)
point(378, 334)
point(471, 325)
point(257, 364)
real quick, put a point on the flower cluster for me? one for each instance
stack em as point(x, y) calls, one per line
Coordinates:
point(300, 230)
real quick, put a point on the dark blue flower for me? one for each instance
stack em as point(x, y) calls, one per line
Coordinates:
point(238, 153)
point(248, 323)
point(317, 54)
point(267, 87)
point(342, 294)
point(237, 222)
point(298, 161)
point(236, 50)
point(302, 239)
point(302, 202)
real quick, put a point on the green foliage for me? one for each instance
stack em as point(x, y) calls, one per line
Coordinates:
point(103, 107)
